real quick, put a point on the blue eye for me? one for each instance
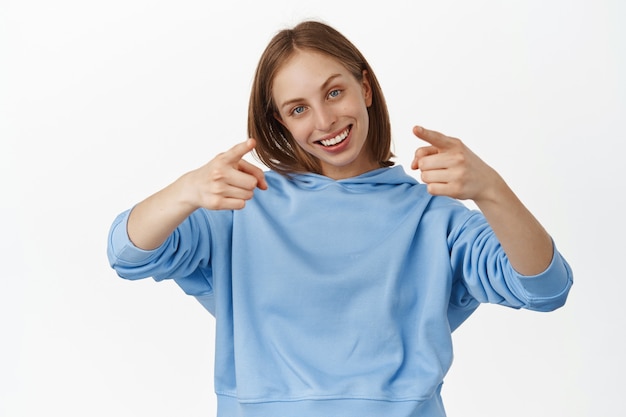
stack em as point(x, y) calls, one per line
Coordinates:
point(334, 93)
point(298, 110)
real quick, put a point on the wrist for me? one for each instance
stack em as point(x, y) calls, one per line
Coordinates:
point(185, 193)
point(494, 193)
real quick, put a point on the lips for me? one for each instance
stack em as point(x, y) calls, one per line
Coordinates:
point(336, 140)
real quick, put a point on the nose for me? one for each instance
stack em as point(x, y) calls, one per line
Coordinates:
point(324, 118)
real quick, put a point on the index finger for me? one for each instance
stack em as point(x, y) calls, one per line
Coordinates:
point(238, 151)
point(433, 137)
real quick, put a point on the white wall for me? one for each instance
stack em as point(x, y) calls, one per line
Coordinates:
point(102, 103)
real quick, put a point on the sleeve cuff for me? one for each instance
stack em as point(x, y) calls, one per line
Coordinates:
point(121, 249)
point(548, 290)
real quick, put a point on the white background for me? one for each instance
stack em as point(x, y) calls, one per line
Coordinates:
point(105, 102)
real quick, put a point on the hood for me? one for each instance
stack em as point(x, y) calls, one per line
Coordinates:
point(362, 183)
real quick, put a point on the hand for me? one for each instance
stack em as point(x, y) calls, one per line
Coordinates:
point(450, 168)
point(227, 181)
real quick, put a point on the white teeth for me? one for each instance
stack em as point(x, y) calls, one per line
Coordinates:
point(337, 139)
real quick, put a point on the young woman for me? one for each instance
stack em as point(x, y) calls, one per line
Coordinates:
point(335, 278)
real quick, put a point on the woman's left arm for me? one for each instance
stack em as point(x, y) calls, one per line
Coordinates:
point(450, 168)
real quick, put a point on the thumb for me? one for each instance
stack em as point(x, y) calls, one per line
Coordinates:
point(438, 140)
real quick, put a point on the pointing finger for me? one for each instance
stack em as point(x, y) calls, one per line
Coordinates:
point(238, 151)
point(433, 137)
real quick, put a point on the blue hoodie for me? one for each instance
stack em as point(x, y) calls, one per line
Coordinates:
point(338, 298)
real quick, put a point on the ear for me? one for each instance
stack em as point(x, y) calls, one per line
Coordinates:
point(367, 88)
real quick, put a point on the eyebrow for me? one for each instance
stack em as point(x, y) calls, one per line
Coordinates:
point(323, 87)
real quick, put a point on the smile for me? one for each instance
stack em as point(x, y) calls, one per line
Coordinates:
point(337, 139)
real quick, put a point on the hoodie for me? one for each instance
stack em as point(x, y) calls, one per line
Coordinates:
point(338, 298)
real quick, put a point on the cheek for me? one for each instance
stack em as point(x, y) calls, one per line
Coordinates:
point(358, 108)
point(300, 131)
point(362, 112)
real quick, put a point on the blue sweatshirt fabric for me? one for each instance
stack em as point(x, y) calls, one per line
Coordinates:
point(338, 298)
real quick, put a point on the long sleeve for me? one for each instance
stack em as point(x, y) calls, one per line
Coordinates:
point(185, 256)
point(480, 262)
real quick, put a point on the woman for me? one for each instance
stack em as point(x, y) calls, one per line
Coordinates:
point(335, 278)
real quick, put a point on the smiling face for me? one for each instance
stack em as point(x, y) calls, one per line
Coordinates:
point(324, 107)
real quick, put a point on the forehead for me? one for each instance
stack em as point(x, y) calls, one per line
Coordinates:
point(306, 70)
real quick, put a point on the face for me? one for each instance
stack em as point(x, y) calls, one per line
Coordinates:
point(324, 107)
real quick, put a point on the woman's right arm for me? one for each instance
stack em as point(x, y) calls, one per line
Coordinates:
point(225, 183)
